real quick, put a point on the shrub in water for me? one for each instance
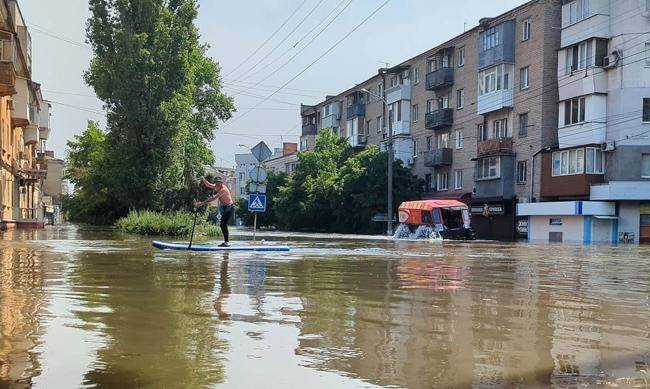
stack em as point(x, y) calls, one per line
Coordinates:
point(166, 224)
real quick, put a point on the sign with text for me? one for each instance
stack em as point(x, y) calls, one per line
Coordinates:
point(488, 210)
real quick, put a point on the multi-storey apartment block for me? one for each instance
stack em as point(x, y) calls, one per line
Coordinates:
point(603, 152)
point(470, 116)
point(24, 125)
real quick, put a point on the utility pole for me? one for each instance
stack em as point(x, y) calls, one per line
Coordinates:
point(391, 157)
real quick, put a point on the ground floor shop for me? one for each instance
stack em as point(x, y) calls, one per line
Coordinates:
point(632, 199)
point(494, 218)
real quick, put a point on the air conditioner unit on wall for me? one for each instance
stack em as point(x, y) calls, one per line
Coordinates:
point(608, 146)
point(611, 61)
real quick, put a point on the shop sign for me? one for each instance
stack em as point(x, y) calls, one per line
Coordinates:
point(522, 226)
point(488, 210)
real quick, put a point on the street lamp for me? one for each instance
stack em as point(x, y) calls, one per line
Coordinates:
point(389, 228)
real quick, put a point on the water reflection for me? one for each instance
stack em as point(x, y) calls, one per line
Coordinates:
point(98, 309)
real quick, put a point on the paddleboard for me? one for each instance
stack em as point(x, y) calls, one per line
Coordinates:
point(183, 247)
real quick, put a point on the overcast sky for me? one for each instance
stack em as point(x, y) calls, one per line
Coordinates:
point(234, 30)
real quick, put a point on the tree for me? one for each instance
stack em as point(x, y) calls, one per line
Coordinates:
point(269, 218)
point(92, 200)
point(163, 99)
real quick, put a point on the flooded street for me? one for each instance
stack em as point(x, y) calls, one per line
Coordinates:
point(96, 308)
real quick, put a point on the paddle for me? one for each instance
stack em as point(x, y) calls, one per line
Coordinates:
point(196, 212)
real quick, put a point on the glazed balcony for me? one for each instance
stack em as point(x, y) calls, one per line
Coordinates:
point(495, 147)
point(439, 79)
point(358, 140)
point(356, 110)
point(439, 119)
point(438, 157)
point(309, 129)
point(7, 78)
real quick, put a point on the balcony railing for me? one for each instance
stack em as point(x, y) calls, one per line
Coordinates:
point(7, 78)
point(439, 119)
point(358, 140)
point(495, 147)
point(309, 129)
point(438, 157)
point(356, 110)
point(441, 78)
point(28, 213)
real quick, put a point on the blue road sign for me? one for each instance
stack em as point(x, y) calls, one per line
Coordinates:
point(256, 203)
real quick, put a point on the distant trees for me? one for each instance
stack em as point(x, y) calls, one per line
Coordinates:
point(335, 189)
point(164, 101)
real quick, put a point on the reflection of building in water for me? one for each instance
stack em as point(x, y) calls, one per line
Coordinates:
point(21, 299)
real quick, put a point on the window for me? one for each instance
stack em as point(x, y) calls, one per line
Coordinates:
point(585, 55)
point(525, 30)
point(327, 110)
point(523, 78)
point(495, 79)
point(461, 56)
point(647, 50)
point(366, 130)
point(446, 61)
point(415, 113)
point(490, 38)
point(645, 165)
point(458, 137)
point(415, 148)
point(555, 221)
point(568, 162)
point(646, 109)
point(442, 181)
point(429, 139)
point(482, 134)
point(380, 90)
point(488, 168)
point(241, 177)
point(443, 102)
point(594, 161)
point(393, 82)
point(460, 98)
point(523, 125)
point(522, 172)
point(443, 141)
point(427, 182)
point(458, 179)
point(430, 106)
point(395, 112)
point(578, 10)
point(416, 75)
point(500, 129)
point(379, 124)
point(574, 111)
point(432, 65)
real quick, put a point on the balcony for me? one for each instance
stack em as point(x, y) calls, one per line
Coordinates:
point(7, 78)
point(495, 101)
point(439, 119)
point(397, 93)
point(356, 110)
point(501, 186)
point(309, 129)
point(358, 140)
point(439, 79)
point(495, 147)
point(504, 51)
point(30, 134)
point(582, 134)
point(582, 82)
point(438, 157)
point(331, 121)
point(595, 25)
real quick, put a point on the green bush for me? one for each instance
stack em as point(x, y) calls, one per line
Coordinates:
point(166, 224)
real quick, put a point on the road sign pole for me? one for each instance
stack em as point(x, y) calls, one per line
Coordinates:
point(254, 226)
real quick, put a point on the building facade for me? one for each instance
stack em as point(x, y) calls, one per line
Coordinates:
point(283, 160)
point(470, 116)
point(603, 150)
point(24, 125)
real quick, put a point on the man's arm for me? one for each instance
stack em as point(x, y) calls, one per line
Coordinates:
point(208, 200)
point(208, 184)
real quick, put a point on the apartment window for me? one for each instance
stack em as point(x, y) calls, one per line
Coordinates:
point(395, 112)
point(427, 182)
point(488, 168)
point(495, 79)
point(443, 102)
point(525, 30)
point(500, 129)
point(443, 141)
point(442, 181)
point(429, 139)
point(594, 161)
point(522, 172)
point(446, 61)
point(568, 162)
point(415, 148)
point(460, 98)
point(523, 78)
point(461, 56)
point(432, 65)
point(367, 128)
point(458, 138)
point(415, 113)
point(647, 51)
point(585, 55)
point(646, 109)
point(523, 125)
point(241, 177)
point(645, 165)
point(482, 134)
point(458, 179)
point(574, 111)
point(490, 38)
point(380, 90)
point(416, 75)
point(430, 106)
point(578, 10)
point(379, 124)
point(327, 111)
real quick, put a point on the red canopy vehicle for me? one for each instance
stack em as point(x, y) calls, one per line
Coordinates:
point(451, 218)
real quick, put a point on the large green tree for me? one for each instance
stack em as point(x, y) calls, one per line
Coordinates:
point(163, 96)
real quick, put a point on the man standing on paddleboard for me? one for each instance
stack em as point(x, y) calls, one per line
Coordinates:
point(222, 197)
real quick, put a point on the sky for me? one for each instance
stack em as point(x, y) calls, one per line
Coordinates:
point(235, 31)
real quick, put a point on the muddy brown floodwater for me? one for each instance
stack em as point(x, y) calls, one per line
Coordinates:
point(84, 307)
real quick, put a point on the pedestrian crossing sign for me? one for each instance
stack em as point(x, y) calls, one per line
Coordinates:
point(256, 203)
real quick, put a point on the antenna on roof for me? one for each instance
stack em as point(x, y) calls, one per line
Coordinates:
point(464, 26)
point(386, 64)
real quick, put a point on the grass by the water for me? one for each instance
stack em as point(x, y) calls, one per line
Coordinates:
point(166, 224)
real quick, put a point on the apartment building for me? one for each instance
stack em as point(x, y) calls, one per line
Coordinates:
point(24, 125)
point(284, 159)
point(470, 116)
point(603, 156)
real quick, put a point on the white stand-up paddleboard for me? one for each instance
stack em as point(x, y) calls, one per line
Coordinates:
point(184, 247)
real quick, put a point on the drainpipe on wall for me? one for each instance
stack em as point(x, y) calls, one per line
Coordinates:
point(532, 172)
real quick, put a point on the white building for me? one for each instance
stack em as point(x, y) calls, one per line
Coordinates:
point(245, 163)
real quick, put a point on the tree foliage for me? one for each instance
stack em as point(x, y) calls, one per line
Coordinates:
point(334, 189)
point(163, 96)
